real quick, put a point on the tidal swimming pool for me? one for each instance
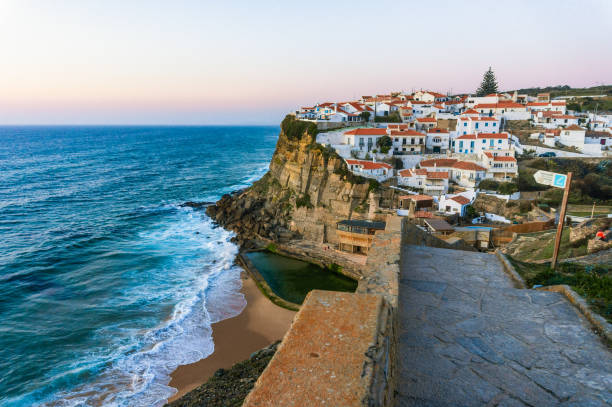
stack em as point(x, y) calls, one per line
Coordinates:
point(292, 279)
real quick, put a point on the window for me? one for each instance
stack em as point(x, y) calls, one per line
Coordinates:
point(476, 125)
point(471, 144)
point(461, 144)
point(464, 125)
point(494, 124)
point(492, 142)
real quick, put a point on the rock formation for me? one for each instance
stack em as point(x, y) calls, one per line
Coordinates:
point(307, 189)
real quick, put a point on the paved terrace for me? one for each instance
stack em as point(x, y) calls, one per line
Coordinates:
point(469, 338)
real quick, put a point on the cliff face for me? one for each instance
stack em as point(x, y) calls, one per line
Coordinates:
point(306, 191)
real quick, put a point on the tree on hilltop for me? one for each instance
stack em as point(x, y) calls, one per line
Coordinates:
point(488, 85)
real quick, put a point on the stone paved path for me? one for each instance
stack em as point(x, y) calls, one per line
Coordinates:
point(468, 338)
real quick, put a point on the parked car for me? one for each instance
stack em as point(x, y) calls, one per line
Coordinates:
point(548, 154)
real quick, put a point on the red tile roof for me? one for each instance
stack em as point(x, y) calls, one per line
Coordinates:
point(460, 200)
point(367, 132)
point(438, 162)
point(470, 111)
point(574, 127)
point(426, 120)
point(436, 130)
point(423, 214)
point(369, 165)
point(467, 165)
point(499, 105)
point(437, 174)
point(412, 172)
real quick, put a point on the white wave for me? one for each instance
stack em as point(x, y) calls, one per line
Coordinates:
point(140, 370)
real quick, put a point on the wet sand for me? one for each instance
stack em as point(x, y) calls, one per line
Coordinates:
point(260, 324)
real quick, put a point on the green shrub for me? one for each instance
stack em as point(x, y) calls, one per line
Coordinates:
point(295, 129)
point(507, 188)
point(374, 186)
point(303, 200)
point(525, 206)
point(384, 143)
point(488, 185)
point(272, 248)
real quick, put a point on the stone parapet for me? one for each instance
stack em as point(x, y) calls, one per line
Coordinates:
point(324, 359)
point(342, 348)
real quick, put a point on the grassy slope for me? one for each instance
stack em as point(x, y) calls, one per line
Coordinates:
point(539, 246)
point(594, 283)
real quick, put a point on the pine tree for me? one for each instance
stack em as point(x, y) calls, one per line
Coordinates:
point(488, 85)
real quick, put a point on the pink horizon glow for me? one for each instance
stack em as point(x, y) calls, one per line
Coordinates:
point(190, 62)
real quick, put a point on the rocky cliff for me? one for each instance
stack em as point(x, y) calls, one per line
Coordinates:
point(307, 189)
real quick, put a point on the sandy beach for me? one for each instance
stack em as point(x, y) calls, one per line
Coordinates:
point(260, 324)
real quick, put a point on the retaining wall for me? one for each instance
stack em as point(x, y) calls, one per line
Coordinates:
point(341, 349)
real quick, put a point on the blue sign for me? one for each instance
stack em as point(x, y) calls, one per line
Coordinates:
point(559, 180)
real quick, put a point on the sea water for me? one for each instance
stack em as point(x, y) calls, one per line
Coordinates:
point(107, 283)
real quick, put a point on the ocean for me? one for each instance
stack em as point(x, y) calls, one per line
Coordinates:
point(107, 283)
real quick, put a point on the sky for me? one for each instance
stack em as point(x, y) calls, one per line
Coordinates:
point(244, 62)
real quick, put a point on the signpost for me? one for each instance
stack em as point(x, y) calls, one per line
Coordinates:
point(558, 181)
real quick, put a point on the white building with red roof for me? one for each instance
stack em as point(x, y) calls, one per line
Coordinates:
point(454, 204)
point(553, 106)
point(424, 123)
point(468, 174)
point(507, 109)
point(472, 123)
point(551, 119)
point(478, 142)
point(573, 136)
point(407, 141)
point(499, 166)
point(433, 183)
point(363, 140)
point(370, 169)
point(438, 140)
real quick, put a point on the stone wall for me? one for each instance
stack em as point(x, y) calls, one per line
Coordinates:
point(342, 347)
point(414, 236)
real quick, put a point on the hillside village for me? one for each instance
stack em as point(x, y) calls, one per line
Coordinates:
point(454, 159)
point(436, 144)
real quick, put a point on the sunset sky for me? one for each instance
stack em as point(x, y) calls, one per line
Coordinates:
point(245, 62)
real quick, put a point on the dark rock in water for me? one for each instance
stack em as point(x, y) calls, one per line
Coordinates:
point(229, 387)
point(195, 205)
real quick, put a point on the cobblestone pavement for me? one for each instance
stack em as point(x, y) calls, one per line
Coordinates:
point(468, 338)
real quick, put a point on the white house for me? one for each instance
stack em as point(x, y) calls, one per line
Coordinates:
point(433, 183)
point(363, 139)
point(552, 119)
point(370, 169)
point(439, 164)
point(427, 96)
point(437, 140)
point(554, 106)
point(475, 143)
point(500, 167)
point(572, 136)
point(468, 174)
point(453, 204)
point(508, 110)
point(426, 123)
point(407, 141)
point(472, 101)
point(468, 124)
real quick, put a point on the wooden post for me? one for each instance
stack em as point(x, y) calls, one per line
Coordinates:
point(593, 210)
point(553, 264)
